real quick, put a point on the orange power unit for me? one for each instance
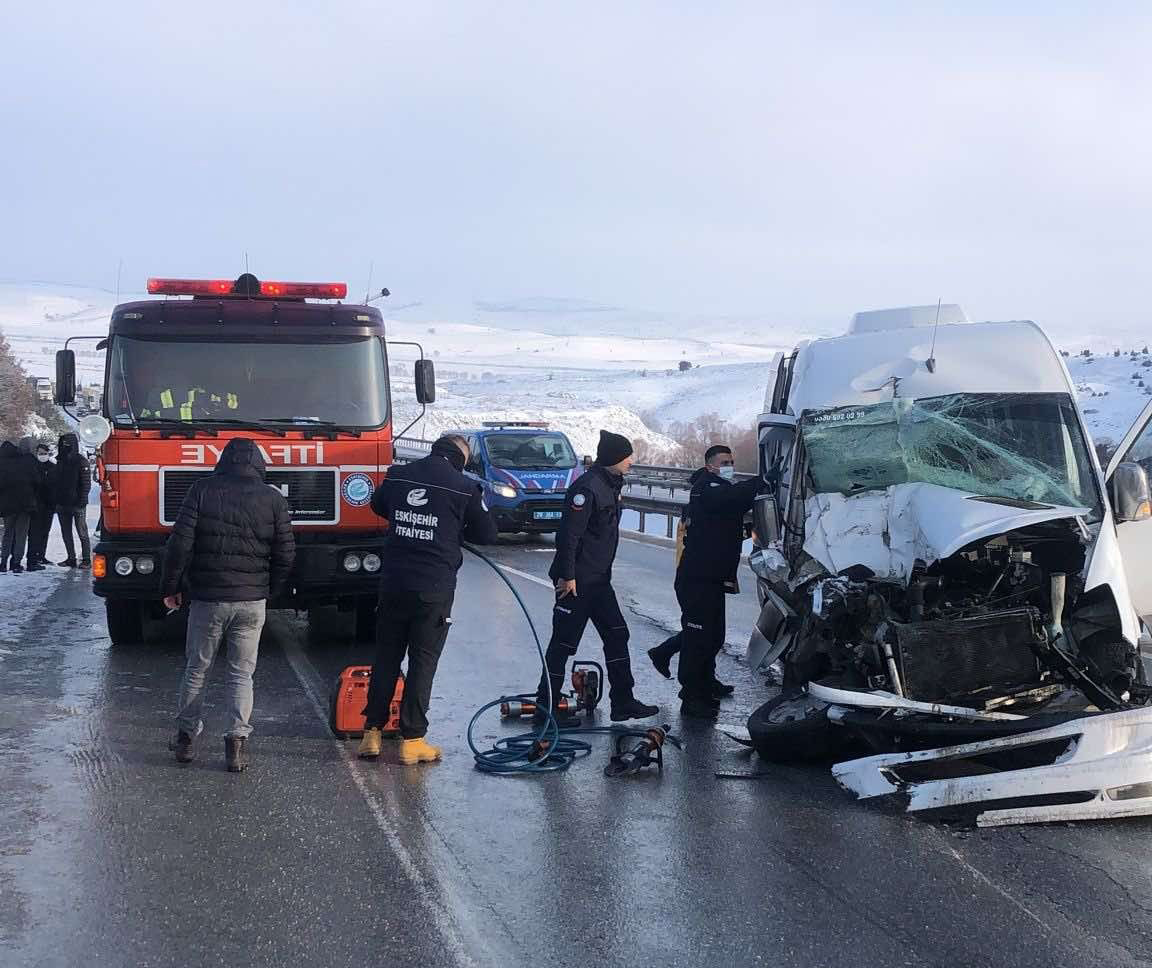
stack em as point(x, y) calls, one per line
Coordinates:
point(349, 697)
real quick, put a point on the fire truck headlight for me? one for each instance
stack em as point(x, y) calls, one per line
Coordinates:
point(145, 566)
point(124, 567)
point(371, 562)
point(503, 490)
point(351, 563)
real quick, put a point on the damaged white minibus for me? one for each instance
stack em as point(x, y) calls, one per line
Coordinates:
point(940, 558)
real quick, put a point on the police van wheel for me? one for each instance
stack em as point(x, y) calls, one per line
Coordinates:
point(366, 620)
point(125, 621)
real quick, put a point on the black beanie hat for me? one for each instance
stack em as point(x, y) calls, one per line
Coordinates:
point(447, 448)
point(612, 448)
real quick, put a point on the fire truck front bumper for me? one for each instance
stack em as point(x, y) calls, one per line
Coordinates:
point(326, 572)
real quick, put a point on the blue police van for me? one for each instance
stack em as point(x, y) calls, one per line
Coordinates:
point(525, 469)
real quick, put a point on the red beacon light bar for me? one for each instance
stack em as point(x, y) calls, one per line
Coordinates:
point(251, 287)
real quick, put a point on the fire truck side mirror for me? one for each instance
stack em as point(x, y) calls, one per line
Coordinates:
point(65, 390)
point(425, 381)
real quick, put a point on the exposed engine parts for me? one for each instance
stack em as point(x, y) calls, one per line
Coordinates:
point(994, 624)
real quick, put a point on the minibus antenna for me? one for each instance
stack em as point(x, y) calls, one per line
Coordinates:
point(931, 361)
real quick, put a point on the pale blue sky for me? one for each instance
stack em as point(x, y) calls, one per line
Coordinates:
point(794, 161)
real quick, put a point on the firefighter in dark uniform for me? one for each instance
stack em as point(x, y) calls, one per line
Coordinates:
point(582, 571)
point(431, 507)
point(714, 534)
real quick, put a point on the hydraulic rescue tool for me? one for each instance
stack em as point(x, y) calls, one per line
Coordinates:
point(587, 691)
point(650, 750)
point(549, 748)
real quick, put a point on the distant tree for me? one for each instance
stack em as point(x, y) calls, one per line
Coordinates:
point(685, 365)
point(1115, 352)
point(1145, 351)
point(17, 399)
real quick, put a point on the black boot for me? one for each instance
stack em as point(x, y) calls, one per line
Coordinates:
point(699, 709)
point(661, 661)
point(182, 747)
point(632, 709)
point(3, 564)
point(234, 754)
point(67, 563)
point(721, 689)
point(34, 565)
point(17, 568)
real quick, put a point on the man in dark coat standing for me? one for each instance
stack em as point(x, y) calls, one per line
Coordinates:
point(71, 483)
point(431, 507)
point(17, 504)
point(230, 550)
point(41, 525)
point(582, 571)
point(714, 534)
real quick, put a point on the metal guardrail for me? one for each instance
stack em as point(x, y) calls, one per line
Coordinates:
point(652, 477)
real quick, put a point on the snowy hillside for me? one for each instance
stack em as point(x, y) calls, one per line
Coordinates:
point(579, 365)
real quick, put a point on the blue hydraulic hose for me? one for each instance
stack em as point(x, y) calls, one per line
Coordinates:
point(524, 752)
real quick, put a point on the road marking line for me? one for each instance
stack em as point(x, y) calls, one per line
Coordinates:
point(983, 878)
point(301, 668)
point(525, 575)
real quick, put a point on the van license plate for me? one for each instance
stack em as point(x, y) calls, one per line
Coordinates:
point(547, 515)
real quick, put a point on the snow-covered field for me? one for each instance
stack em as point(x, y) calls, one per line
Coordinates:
point(577, 365)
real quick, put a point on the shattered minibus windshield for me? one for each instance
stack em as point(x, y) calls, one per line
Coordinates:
point(1024, 447)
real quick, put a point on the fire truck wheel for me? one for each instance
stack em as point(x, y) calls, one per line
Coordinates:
point(125, 621)
point(366, 620)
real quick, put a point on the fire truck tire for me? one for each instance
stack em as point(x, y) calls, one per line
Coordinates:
point(366, 620)
point(125, 621)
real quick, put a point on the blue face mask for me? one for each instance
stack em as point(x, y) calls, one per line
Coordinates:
point(728, 473)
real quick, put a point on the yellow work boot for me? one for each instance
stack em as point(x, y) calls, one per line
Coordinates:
point(369, 745)
point(414, 751)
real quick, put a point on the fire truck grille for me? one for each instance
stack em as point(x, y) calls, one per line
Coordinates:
point(311, 494)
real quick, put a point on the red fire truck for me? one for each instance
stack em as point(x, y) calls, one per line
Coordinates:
point(307, 380)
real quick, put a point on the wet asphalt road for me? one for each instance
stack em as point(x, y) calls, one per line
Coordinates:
point(111, 854)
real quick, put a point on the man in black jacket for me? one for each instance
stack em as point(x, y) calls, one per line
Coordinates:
point(230, 550)
point(430, 507)
point(41, 525)
point(17, 504)
point(714, 534)
point(582, 570)
point(70, 485)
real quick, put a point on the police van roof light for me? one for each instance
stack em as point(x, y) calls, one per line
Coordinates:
point(516, 423)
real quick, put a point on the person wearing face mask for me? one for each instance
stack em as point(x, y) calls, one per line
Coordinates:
point(41, 525)
point(431, 508)
point(713, 536)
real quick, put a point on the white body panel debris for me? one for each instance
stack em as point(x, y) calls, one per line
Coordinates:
point(1100, 768)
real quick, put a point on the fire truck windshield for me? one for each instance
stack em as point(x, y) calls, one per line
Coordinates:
point(340, 383)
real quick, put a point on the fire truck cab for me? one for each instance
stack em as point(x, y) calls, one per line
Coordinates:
point(307, 381)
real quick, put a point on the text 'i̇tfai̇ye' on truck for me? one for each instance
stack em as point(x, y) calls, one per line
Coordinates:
point(307, 381)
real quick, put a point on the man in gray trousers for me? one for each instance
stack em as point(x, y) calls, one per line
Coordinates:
point(230, 551)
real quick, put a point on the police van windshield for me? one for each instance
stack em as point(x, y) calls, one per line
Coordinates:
point(343, 383)
point(530, 451)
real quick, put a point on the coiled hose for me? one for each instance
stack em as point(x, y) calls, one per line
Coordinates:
point(550, 748)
